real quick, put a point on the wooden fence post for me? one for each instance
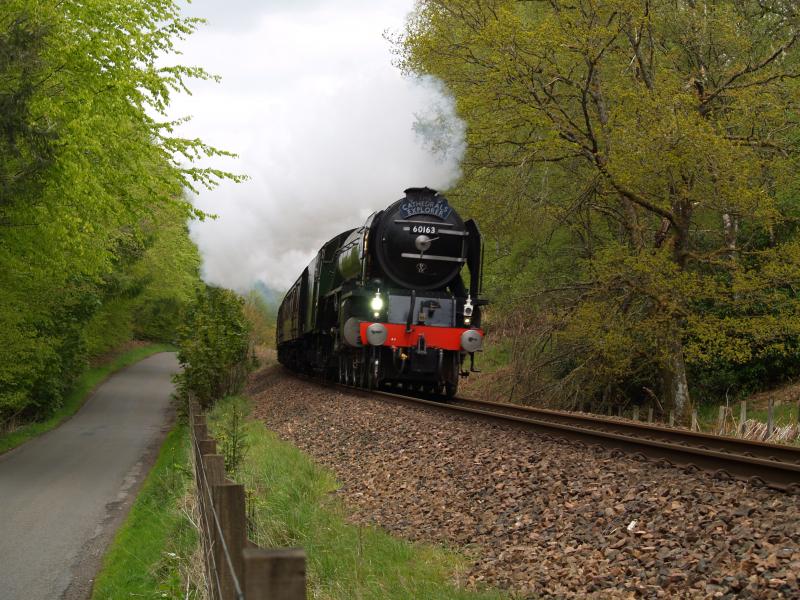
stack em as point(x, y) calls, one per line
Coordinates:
point(207, 447)
point(742, 417)
point(672, 418)
point(619, 411)
point(721, 420)
point(200, 428)
point(636, 413)
point(274, 574)
point(695, 426)
point(215, 469)
point(770, 418)
point(199, 434)
point(650, 414)
point(798, 414)
point(229, 506)
point(609, 410)
point(214, 474)
point(231, 561)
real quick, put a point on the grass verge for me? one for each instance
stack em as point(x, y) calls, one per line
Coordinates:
point(82, 389)
point(154, 545)
point(291, 504)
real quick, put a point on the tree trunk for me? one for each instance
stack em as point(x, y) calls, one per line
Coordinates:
point(731, 228)
point(676, 385)
point(632, 224)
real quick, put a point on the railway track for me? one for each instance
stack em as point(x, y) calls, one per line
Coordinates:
point(774, 465)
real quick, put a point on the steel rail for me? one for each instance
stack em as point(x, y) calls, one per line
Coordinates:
point(774, 465)
point(703, 441)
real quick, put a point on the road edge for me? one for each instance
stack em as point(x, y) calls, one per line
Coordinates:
point(114, 366)
point(93, 553)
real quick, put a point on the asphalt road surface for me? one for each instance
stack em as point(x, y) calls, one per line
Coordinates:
point(63, 494)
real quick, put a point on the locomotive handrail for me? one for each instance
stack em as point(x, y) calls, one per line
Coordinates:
point(423, 255)
point(434, 223)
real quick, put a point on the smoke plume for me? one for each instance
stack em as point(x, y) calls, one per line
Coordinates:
point(326, 127)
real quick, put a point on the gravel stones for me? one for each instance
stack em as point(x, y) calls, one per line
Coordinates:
point(539, 516)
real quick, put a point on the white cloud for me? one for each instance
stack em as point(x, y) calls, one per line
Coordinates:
point(323, 124)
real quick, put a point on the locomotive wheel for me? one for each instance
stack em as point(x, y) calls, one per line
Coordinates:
point(372, 374)
point(450, 389)
point(346, 370)
point(362, 374)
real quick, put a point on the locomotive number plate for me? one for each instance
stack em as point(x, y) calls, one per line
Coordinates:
point(428, 229)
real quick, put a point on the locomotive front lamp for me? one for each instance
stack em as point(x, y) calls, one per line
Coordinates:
point(376, 304)
point(468, 306)
point(468, 311)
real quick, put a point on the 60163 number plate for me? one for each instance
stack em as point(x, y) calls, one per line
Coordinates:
point(428, 229)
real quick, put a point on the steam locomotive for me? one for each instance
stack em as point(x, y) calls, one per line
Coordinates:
point(385, 304)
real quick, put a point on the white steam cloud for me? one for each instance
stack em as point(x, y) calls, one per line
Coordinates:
point(325, 126)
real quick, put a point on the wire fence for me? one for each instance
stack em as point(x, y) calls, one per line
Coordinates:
point(727, 422)
point(236, 569)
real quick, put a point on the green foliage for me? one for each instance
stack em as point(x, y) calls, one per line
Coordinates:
point(157, 539)
point(261, 317)
point(633, 165)
point(25, 145)
point(214, 347)
point(231, 433)
point(169, 277)
point(293, 504)
point(93, 240)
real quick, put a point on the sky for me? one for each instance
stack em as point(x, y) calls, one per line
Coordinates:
point(325, 126)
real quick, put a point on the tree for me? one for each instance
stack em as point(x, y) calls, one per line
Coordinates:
point(214, 346)
point(89, 162)
point(25, 145)
point(660, 138)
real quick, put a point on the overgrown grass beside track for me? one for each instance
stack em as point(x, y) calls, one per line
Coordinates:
point(292, 504)
point(152, 550)
point(84, 386)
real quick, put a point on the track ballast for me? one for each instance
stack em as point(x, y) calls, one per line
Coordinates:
point(760, 463)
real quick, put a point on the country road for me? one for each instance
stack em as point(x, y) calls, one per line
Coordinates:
point(62, 495)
